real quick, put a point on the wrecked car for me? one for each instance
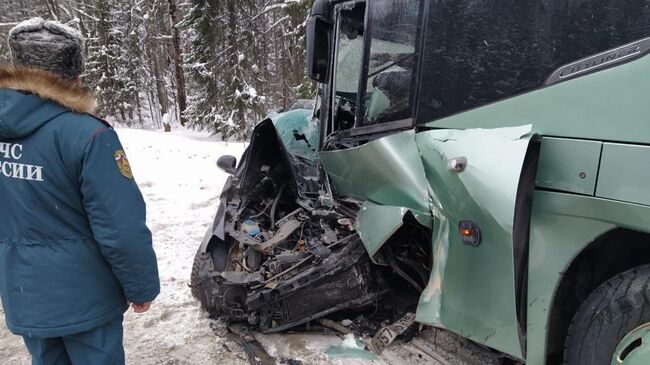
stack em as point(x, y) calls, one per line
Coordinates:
point(282, 251)
point(480, 163)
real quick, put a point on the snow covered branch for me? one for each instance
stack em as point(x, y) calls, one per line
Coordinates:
point(277, 23)
point(241, 58)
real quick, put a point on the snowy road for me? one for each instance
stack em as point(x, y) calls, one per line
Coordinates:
point(181, 185)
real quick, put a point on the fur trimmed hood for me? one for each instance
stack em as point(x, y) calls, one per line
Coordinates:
point(67, 93)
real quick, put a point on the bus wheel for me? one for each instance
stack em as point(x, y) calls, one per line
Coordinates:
point(612, 325)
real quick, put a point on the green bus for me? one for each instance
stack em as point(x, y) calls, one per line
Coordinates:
point(482, 164)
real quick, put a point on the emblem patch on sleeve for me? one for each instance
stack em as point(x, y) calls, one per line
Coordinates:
point(123, 164)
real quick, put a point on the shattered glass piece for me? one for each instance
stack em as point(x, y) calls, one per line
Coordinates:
point(351, 348)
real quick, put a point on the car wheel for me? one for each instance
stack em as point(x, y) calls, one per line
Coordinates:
point(215, 259)
point(612, 325)
point(195, 280)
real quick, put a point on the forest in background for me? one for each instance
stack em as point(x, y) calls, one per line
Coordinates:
point(218, 65)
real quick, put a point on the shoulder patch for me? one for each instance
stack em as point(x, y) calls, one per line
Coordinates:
point(123, 164)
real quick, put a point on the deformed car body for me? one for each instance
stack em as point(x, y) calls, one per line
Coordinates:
point(487, 158)
point(281, 252)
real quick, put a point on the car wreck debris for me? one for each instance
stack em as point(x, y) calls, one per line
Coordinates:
point(279, 253)
point(385, 336)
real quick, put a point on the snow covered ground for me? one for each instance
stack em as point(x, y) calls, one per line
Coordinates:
point(181, 185)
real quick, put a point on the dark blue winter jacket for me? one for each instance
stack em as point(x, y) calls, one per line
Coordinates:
point(74, 246)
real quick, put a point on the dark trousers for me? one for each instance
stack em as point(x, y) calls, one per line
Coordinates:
point(99, 346)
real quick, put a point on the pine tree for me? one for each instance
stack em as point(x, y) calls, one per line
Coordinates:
point(202, 65)
point(101, 67)
point(247, 57)
point(235, 60)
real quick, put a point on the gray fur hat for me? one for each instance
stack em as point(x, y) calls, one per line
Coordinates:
point(47, 45)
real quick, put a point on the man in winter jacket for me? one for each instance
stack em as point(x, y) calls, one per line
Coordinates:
point(74, 247)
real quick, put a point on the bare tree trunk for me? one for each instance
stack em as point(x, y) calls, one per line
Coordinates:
point(178, 62)
point(154, 116)
point(160, 81)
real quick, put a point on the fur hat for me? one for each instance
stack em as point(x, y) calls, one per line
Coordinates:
point(49, 46)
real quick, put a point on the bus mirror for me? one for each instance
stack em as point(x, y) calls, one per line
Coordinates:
point(318, 48)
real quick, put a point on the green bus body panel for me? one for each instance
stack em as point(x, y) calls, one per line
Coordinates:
point(562, 226)
point(472, 289)
point(624, 173)
point(387, 171)
point(376, 224)
point(609, 105)
point(568, 165)
point(298, 132)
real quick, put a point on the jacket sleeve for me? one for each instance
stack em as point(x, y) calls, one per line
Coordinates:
point(117, 215)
